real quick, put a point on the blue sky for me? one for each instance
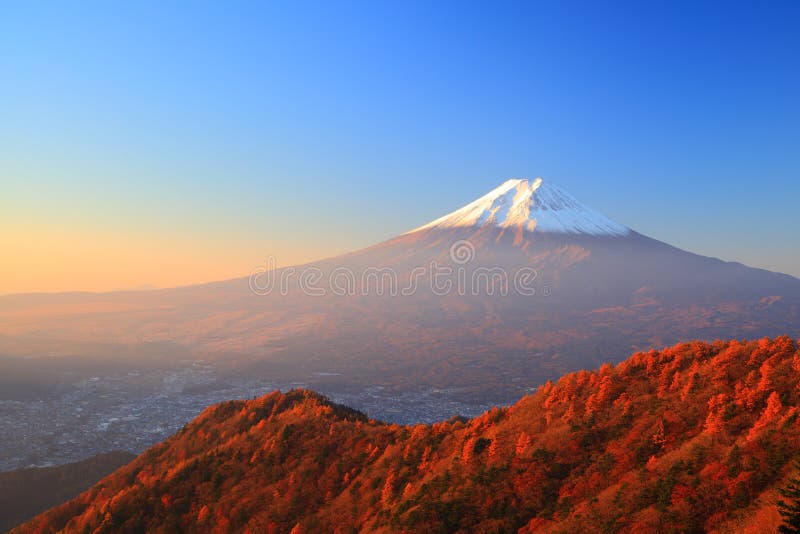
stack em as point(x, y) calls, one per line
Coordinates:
point(211, 135)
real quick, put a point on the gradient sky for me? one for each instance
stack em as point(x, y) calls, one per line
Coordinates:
point(169, 143)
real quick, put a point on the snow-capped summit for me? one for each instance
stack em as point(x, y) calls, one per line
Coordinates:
point(532, 205)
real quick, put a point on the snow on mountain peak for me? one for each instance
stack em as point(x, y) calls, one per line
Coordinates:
point(533, 205)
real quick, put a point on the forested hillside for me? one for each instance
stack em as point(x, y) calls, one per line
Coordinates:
point(692, 438)
point(25, 493)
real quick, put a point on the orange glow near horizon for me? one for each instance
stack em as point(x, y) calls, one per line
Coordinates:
point(57, 259)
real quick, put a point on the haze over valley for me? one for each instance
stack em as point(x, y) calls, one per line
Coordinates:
point(125, 370)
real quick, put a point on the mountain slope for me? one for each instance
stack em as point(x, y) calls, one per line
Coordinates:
point(691, 438)
point(596, 288)
point(25, 493)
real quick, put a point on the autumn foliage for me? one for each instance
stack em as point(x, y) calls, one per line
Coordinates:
point(692, 438)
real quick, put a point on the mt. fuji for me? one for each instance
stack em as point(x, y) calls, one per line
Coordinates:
point(593, 287)
point(530, 205)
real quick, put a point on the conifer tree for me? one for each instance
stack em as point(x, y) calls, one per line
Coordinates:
point(790, 508)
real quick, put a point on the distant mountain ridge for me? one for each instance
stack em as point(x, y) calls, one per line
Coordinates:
point(24, 493)
point(693, 438)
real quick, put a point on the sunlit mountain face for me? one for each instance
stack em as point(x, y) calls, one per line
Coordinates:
point(698, 437)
